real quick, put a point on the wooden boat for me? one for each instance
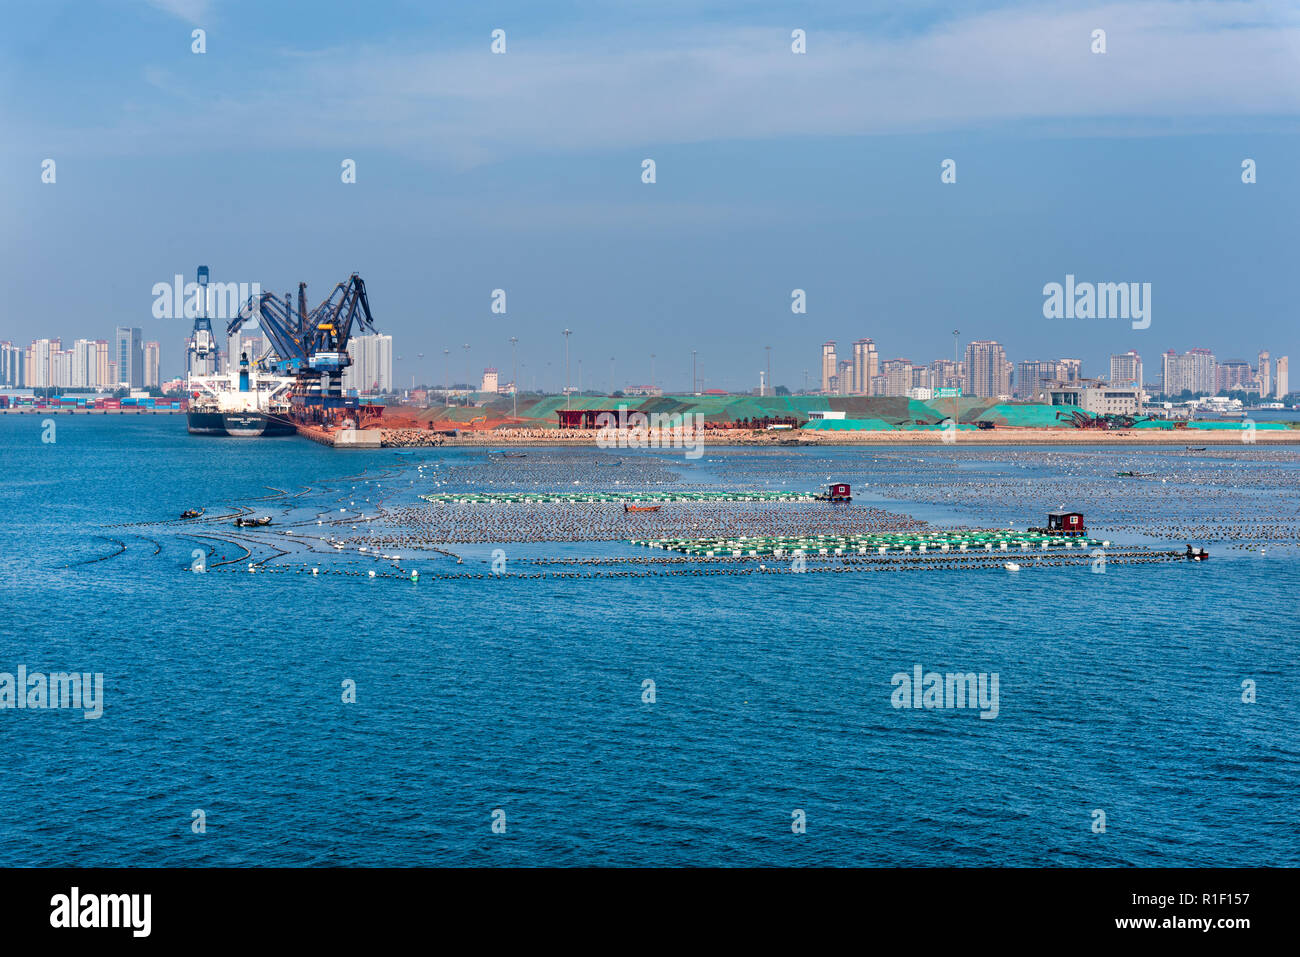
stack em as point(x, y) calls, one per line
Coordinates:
point(1197, 449)
point(641, 508)
point(192, 513)
point(247, 521)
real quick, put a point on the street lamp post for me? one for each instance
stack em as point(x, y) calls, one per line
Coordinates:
point(769, 367)
point(567, 333)
point(956, 402)
point(514, 377)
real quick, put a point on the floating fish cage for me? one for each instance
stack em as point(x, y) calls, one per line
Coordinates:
point(878, 543)
point(597, 498)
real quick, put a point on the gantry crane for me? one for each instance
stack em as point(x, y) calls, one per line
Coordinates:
point(311, 346)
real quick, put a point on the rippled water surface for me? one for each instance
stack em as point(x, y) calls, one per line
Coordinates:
point(1119, 692)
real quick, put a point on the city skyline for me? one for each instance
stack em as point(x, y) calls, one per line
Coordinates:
point(1197, 369)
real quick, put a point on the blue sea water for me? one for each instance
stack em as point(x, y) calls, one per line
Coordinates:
point(1119, 692)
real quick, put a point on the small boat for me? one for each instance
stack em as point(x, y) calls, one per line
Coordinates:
point(192, 513)
point(1197, 554)
point(248, 521)
point(1011, 567)
point(1135, 474)
point(641, 508)
point(1197, 449)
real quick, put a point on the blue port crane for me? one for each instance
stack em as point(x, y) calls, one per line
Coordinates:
point(313, 346)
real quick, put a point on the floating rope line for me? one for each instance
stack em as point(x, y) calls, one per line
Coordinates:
point(569, 498)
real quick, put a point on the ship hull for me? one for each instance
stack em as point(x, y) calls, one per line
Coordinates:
point(239, 424)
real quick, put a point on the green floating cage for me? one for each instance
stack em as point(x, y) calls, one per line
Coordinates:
point(877, 542)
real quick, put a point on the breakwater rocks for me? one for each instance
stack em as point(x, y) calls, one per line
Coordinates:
point(410, 439)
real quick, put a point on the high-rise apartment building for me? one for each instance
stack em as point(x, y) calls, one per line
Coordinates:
point(103, 365)
point(38, 363)
point(1070, 370)
point(1126, 370)
point(372, 364)
point(1193, 371)
point(1281, 378)
point(11, 365)
point(1265, 374)
point(1033, 376)
point(152, 365)
point(129, 353)
point(897, 374)
point(1234, 375)
point(85, 364)
point(947, 374)
point(988, 373)
point(829, 367)
point(845, 384)
point(866, 365)
point(61, 368)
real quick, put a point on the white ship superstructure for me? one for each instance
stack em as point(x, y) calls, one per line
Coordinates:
point(244, 402)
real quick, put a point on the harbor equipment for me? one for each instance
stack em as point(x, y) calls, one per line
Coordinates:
point(312, 346)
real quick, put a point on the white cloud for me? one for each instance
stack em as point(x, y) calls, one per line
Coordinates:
point(191, 11)
point(1166, 60)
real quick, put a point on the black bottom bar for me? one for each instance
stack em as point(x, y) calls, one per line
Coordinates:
point(367, 906)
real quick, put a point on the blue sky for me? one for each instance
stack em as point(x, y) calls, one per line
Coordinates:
point(775, 171)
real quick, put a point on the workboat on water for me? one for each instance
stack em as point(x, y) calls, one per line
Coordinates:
point(244, 404)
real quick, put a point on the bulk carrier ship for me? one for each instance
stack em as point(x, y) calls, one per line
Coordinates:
point(244, 404)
